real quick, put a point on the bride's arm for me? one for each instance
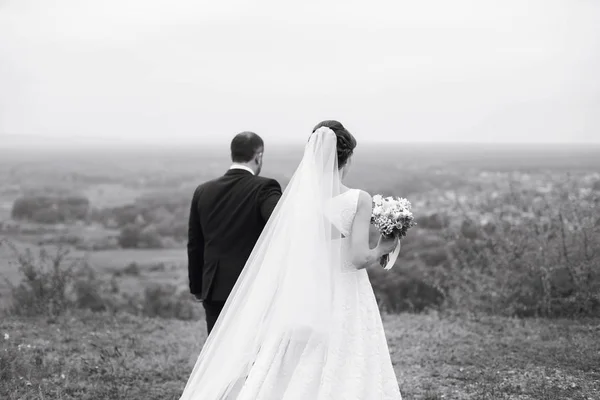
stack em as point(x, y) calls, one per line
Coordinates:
point(362, 253)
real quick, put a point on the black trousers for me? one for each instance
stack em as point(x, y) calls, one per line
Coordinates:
point(212, 309)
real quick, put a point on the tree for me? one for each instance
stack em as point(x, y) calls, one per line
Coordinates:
point(130, 236)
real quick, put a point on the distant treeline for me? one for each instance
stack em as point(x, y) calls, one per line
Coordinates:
point(51, 209)
point(154, 221)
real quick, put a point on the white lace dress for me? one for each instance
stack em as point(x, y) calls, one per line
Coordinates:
point(357, 365)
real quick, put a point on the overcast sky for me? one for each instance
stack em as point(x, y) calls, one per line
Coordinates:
point(148, 71)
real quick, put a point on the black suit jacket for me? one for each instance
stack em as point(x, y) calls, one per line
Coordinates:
point(227, 217)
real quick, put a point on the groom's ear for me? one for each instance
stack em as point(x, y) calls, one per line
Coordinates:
point(259, 157)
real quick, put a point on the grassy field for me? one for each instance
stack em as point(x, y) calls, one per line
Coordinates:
point(99, 356)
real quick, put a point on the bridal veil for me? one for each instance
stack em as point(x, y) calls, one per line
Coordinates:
point(279, 314)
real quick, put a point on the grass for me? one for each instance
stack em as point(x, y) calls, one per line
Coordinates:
point(100, 356)
point(495, 357)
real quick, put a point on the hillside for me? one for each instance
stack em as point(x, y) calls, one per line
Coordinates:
point(99, 356)
point(508, 235)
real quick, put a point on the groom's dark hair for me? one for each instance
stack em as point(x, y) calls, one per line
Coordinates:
point(244, 146)
point(346, 143)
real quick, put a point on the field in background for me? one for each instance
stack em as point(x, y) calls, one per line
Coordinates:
point(503, 231)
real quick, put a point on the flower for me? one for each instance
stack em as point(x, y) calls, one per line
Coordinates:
point(6, 336)
point(378, 199)
point(377, 210)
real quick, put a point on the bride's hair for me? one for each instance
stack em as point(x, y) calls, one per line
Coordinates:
point(345, 141)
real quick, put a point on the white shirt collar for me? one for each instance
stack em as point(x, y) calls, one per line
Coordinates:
point(238, 166)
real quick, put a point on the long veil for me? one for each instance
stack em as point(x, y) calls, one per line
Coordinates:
point(280, 311)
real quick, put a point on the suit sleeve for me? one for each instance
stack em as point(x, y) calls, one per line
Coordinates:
point(269, 195)
point(195, 248)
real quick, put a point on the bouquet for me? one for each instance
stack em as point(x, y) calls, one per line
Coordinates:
point(393, 217)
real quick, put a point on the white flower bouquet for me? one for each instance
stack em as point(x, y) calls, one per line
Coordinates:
point(393, 217)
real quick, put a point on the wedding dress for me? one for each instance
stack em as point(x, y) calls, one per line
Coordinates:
point(302, 322)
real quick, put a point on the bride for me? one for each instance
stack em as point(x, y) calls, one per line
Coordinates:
point(302, 321)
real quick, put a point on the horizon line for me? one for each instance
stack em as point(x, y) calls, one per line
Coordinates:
point(116, 143)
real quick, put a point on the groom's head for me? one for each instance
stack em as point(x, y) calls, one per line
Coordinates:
point(247, 149)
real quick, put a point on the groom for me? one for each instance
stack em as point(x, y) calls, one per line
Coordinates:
point(227, 217)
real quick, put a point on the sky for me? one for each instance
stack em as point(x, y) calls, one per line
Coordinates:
point(188, 72)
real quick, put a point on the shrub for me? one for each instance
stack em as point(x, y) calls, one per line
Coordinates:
point(540, 258)
point(52, 285)
point(47, 280)
point(134, 236)
point(88, 293)
point(130, 236)
point(149, 238)
point(99, 243)
point(132, 269)
point(163, 301)
point(124, 215)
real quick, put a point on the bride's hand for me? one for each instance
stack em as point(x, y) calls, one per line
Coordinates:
point(387, 245)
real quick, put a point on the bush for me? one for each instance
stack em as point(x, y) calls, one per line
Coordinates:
point(163, 301)
point(52, 286)
point(44, 289)
point(132, 269)
point(149, 238)
point(100, 243)
point(133, 236)
point(540, 258)
point(88, 293)
point(130, 236)
point(124, 215)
